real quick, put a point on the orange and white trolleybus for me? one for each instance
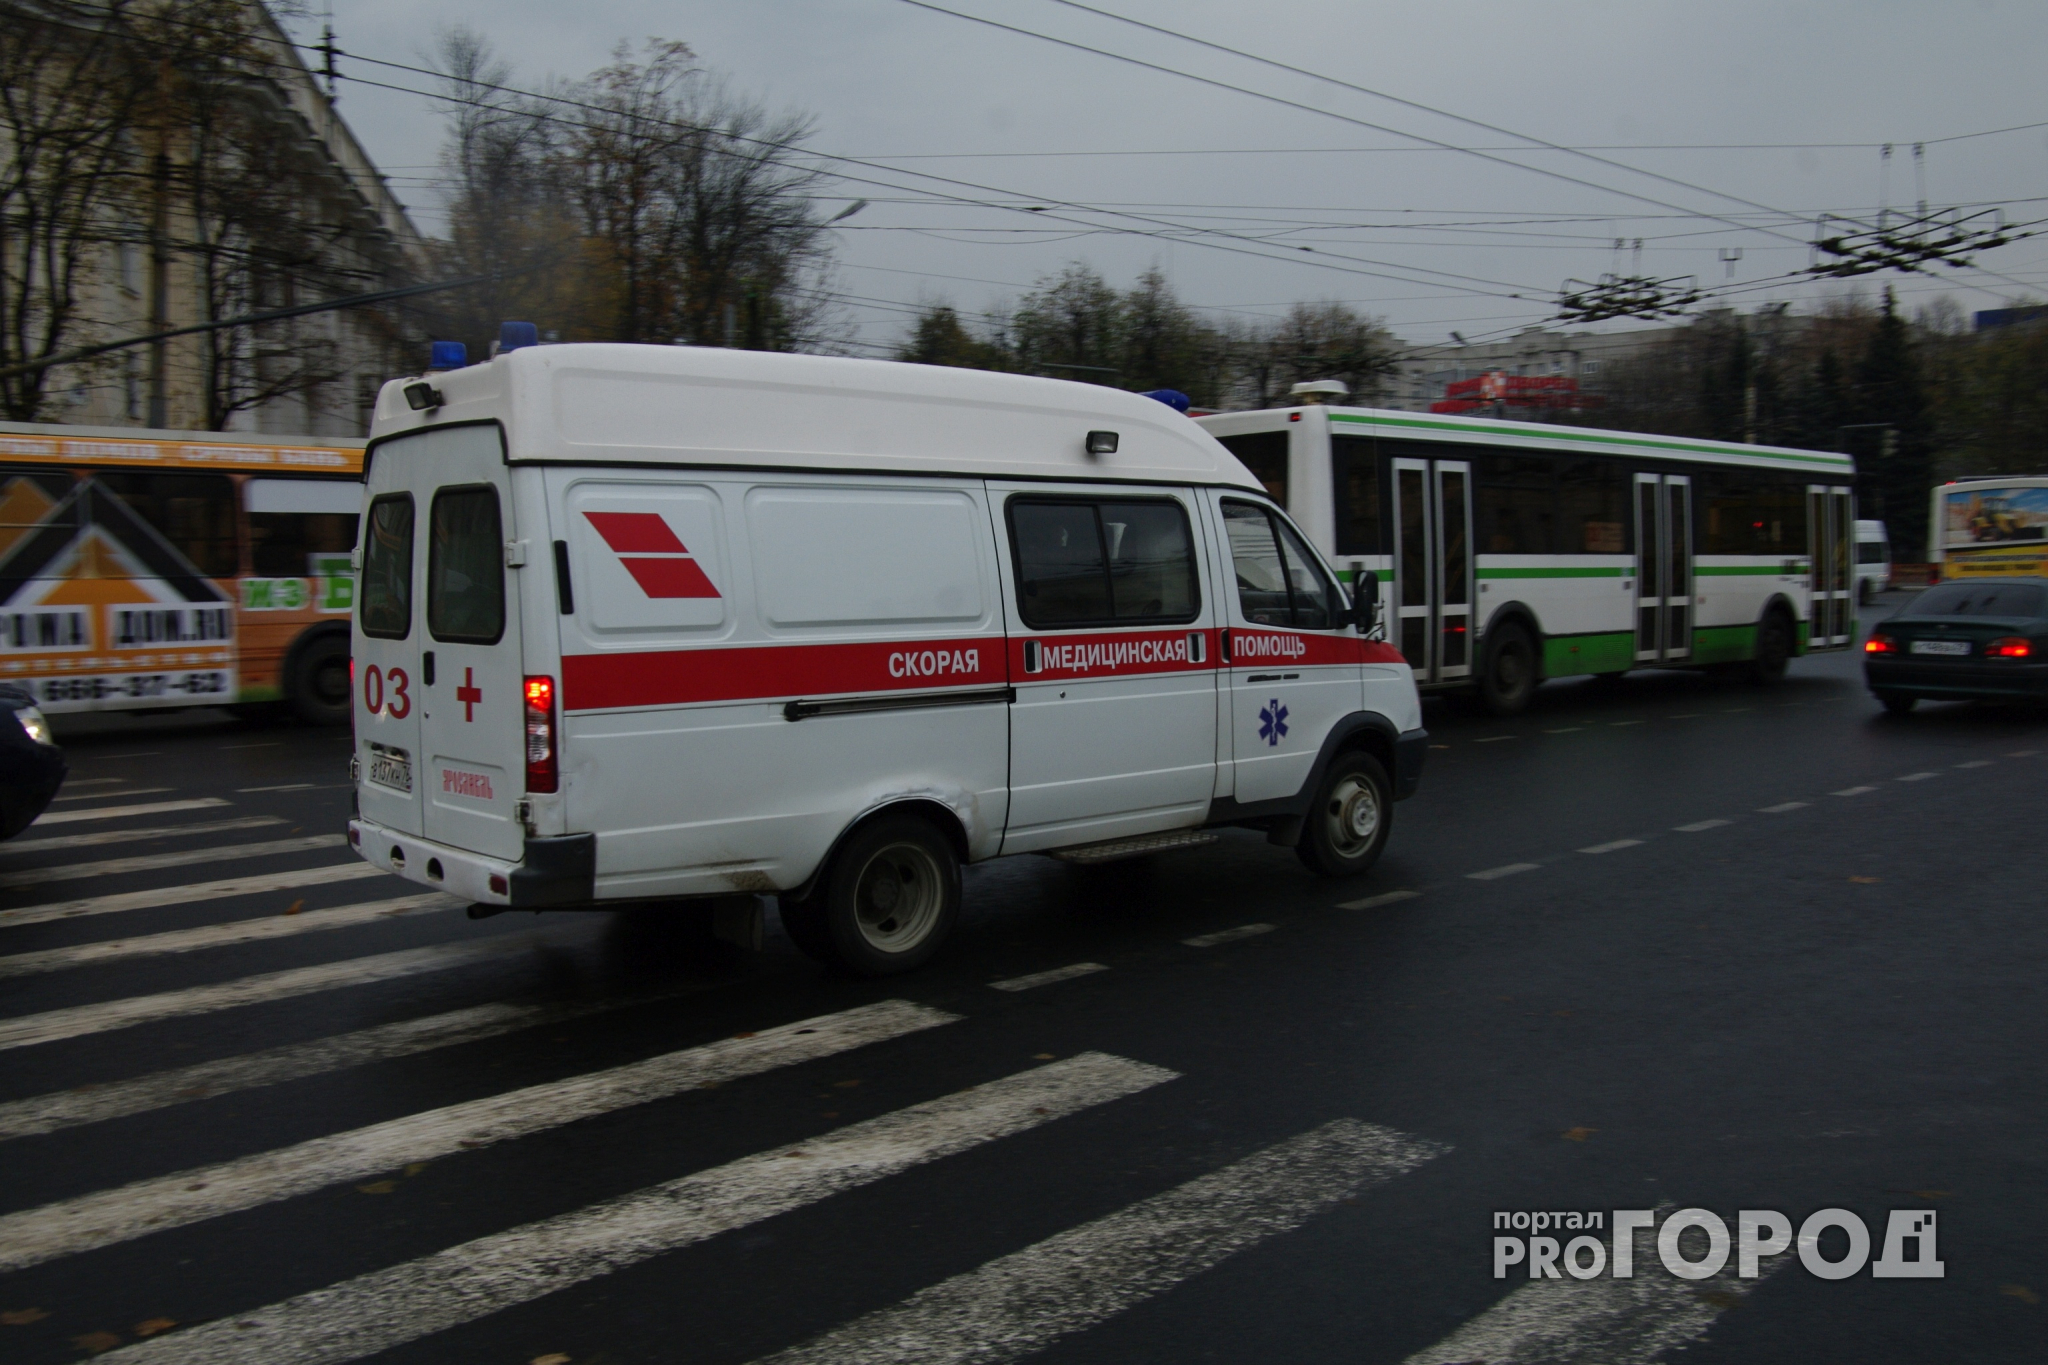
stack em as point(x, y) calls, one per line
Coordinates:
point(143, 568)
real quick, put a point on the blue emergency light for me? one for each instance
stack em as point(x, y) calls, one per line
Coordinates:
point(513, 335)
point(1173, 398)
point(447, 355)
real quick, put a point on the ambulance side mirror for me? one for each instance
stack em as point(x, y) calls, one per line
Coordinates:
point(1365, 599)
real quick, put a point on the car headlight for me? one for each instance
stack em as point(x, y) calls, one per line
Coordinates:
point(33, 721)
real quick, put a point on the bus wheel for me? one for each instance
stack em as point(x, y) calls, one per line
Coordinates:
point(1349, 822)
point(1508, 680)
point(318, 687)
point(891, 896)
point(1773, 649)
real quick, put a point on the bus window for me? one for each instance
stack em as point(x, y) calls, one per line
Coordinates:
point(1264, 453)
point(28, 497)
point(1516, 510)
point(194, 512)
point(1355, 492)
point(1750, 513)
point(293, 522)
point(1592, 497)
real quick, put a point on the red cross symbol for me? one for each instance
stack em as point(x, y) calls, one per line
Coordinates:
point(468, 694)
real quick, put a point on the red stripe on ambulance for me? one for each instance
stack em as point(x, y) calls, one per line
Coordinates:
point(678, 677)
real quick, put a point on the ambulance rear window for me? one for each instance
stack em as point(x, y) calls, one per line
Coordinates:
point(387, 568)
point(465, 567)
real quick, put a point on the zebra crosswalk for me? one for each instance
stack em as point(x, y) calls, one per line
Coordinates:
point(404, 978)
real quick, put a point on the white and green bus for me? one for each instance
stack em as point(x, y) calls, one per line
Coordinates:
point(1512, 552)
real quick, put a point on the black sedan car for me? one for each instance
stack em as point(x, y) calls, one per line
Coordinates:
point(1983, 639)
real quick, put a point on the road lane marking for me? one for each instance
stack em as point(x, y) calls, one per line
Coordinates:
point(1852, 791)
point(1686, 715)
point(1020, 1304)
point(107, 1217)
point(1494, 739)
point(2023, 753)
point(113, 867)
point(285, 787)
point(1228, 935)
point(1700, 826)
point(1916, 777)
point(191, 891)
point(1375, 902)
point(114, 796)
point(1781, 807)
point(1624, 722)
point(94, 781)
point(63, 1109)
point(67, 817)
point(107, 1016)
point(1976, 763)
point(1025, 983)
point(1614, 847)
point(1495, 873)
point(1736, 710)
point(1566, 730)
point(263, 744)
point(256, 930)
point(1616, 1322)
point(402, 1303)
point(100, 837)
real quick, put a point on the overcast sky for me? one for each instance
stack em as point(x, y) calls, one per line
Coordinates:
point(1221, 189)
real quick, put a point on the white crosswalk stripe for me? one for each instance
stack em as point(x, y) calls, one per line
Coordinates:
point(63, 1109)
point(105, 1217)
point(193, 891)
point(68, 817)
point(77, 1021)
point(100, 837)
point(1022, 1303)
point(221, 935)
point(1614, 1321)
point(403, 1303)
point(150, 862)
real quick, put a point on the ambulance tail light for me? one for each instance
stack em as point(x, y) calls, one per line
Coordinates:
point(543, 773)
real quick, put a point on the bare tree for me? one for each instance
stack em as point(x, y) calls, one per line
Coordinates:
point(71, 84)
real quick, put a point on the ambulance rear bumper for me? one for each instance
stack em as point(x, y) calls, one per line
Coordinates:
point(557, 871)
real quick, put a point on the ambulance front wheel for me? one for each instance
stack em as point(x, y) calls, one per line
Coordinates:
point(1349, 822)
point(891, 896)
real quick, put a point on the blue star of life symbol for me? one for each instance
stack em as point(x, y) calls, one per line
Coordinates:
point(1273, 722)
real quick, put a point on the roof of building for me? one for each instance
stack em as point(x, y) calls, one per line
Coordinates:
point(1553, 436)
point(705, 406)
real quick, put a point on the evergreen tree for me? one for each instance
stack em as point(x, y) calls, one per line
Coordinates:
point(1896, 475)
point(938, 338)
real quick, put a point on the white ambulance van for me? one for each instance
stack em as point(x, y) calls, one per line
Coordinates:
point(643, 623)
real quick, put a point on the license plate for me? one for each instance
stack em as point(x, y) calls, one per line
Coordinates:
point(391, 768)
point(1941, 647)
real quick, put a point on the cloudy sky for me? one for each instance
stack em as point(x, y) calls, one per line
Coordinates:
point(1761, 115)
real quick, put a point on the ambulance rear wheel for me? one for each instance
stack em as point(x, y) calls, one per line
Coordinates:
point(1348, 824)
point(891, 896)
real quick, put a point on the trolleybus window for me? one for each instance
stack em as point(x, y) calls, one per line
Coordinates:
point(465, 567)
point(1592, 497)
point(387, 568)
point(1355, 490)
point(1264, 453)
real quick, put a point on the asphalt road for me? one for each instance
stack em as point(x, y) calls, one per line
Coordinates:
point(1669, 942)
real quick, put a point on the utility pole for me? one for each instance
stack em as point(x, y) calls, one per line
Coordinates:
point(160, 286)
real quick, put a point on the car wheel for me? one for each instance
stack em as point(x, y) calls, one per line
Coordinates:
point(1773, 649)
point(891, 896)
point(1508, 680)
point(318, 687)
point(1349, 822)
point(1897, 703)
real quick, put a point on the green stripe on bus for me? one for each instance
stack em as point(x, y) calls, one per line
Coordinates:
point(1761, 570)
point(1585, 437)
point(1619, 572)
point(1566, 656)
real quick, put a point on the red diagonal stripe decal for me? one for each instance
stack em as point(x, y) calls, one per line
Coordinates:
point(669, 577)
point(637, 533)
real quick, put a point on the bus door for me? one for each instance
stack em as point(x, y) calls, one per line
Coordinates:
point(1432, 552)
point(1831, 522)
point(1663, 568)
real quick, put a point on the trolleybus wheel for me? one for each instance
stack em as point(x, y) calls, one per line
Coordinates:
point(1773, 648)
point(317, 686)
point(1508, 680)
point(1349, 822)
point(891, 896)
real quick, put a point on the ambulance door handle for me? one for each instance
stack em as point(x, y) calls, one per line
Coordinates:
point(427, 668)
point(1225, 633)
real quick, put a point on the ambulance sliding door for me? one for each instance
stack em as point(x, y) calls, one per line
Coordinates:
point(1112, 654)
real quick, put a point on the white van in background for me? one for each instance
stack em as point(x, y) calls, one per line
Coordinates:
point(646, 623)
point(1873, 560)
